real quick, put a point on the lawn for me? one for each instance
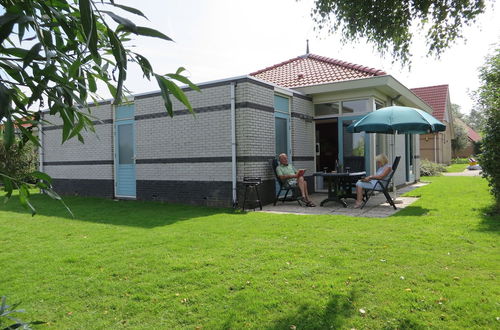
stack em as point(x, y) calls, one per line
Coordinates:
point(151, 265)
point(456, 167)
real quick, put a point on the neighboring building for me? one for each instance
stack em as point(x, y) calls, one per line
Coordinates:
point(301, 107)
point(436, 147)
point(472, 137)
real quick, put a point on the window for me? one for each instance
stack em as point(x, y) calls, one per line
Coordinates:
point(281, 104)
point(356, 106)
point(325, 109)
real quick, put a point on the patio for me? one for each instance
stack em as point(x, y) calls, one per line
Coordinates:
point(377, 206)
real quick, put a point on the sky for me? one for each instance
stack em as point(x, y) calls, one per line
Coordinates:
point(218, 39)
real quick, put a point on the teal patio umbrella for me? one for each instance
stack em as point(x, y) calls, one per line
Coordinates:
point(397, 120)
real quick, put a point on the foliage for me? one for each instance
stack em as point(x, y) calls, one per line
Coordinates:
point(150, 265)
point(476, 118)
point(489, 100)
point(387, 23)
point(6, 312)
point(428, 168)
point(461, 140)
point(55, 54)
point(478, 147)
point(19, 160)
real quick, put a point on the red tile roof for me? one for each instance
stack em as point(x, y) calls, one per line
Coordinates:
point(436, 97)
point(472, 134)
point(312, 69)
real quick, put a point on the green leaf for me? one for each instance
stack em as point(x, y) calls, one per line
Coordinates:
point(178, 93)
point(89, 25)
point(130, 9)
point(42, 176)
point(128, 24)
point(92, 83)
point(8, 133)
point(7, 22)
point(184, 80)
point(32, 54)
point(148, 32)
point(165, 94)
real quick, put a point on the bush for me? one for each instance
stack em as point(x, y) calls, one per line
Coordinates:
point(19, 160)
point(7, 317)
point(428, 168)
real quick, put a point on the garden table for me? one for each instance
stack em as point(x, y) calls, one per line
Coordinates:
point(340, 185)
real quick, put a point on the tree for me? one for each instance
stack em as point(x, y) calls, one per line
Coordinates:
point(54, 54)
point(476, 119)
point(489, 101)
point(387, 23)
point(460, 140)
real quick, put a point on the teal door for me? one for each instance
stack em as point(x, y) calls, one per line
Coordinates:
point(282, 129)
point(354, 148)
point(125, 184)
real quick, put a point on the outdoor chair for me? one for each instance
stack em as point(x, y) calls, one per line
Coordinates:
point(284, 186)
point(383, 185)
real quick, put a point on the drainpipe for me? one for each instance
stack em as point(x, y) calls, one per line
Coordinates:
point(40, 147)
point(233, 143)
point(435, 148)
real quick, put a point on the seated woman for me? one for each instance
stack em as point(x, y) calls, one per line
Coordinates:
point(384, 169)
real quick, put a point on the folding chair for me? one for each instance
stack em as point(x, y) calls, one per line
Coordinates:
point(284, 186)
point(383, 185)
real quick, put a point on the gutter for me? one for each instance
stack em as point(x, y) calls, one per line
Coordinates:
point(40, 147)
point(233, 143)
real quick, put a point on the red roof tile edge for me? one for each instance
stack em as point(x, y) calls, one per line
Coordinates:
point(358, 67)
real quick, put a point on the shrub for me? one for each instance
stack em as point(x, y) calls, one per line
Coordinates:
point(19, 160)
point(428, 168)
point(6, 317)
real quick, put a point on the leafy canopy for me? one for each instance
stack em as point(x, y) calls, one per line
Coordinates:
point(54, 54)
point(387, 23)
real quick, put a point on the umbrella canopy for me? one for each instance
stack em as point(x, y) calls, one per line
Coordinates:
point(397, 119)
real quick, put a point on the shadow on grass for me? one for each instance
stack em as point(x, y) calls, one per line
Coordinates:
point(145, 214)
point(338, 309)
point(490, 220)
point(412, 211)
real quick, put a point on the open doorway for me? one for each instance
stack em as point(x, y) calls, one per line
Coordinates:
point(327, 148)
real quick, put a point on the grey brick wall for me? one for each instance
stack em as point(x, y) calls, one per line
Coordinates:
point(186, 158)
point(98, 147)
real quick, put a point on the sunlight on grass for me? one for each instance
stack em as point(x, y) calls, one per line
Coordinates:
point(154, 265)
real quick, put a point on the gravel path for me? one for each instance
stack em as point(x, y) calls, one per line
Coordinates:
point(464, 173)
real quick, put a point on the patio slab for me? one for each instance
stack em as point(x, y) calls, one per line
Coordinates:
point(377, 206)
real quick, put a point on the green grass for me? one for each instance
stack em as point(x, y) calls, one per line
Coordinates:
point(456, 167)
point(151, 265)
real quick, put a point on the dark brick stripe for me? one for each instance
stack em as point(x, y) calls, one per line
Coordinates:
point(307, 98)
point(303, 158)
point(212, 108)
point(96, 122)
point(302, 116)
point(79, 162)
point(254, 106)
point(184, 160)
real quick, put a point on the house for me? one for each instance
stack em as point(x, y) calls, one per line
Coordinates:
point(472, 137)
point(436, 147)
point(301, 106)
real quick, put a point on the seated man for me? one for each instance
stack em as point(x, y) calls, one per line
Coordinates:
point(286, 172)
point(383, 170)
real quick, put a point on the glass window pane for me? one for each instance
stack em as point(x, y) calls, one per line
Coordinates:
point(357, 106)
point(354, 149)
point(324, 109)
point(281, 136)
point(125, 144)
point(281, 104)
